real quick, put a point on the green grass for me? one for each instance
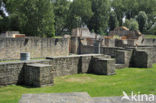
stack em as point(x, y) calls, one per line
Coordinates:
point(128, 79)
point(150, 36)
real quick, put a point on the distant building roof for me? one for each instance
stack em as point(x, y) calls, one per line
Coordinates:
point(12, 34)
point(121, 28)
point(124, 31)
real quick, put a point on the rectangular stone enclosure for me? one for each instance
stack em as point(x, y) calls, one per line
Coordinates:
point(38, 75)
point(104, 66)
point(142, 59)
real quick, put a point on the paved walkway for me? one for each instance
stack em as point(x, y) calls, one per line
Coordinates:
point(82, 97)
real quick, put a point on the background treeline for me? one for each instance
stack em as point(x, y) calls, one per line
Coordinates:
point(47, 18)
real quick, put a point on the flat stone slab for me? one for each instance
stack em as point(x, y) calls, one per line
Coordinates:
point(38, 65)
point(117, 100)
point(76, 97)
point(72, 56)
point(57, 98)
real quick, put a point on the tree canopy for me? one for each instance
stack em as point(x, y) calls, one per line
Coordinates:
point(99, 21)
point(46, 18)
point(33, 17)
point(80, 13)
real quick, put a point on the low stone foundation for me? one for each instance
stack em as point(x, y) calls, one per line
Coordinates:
point(38, 75)
point(68, 65)
point(13, 72)
point(141, 59)
point(103, 66)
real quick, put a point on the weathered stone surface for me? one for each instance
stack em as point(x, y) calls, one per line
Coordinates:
point(38, 75)
point(151, 52)
point(13, 72)
point(21, 73)
point(123, 58)
point(77, 97)
point(72, 64)
point(104, 66)
point(141, 59)
point(117, 100)
point(57, 98)
point(10, 48)
point(120, 57)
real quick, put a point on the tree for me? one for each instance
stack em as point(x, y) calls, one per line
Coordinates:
point(80, 13)
point(113, 21)
point(131, 8)
point(61, 8)
point(3, 18)
point(132, 24)
point(126, 23)
point(37, 18)
point(152, 30)
point(100, 19)
point(119, 9)
point(32, 17)
point(142, 20)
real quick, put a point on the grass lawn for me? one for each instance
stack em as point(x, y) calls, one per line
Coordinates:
point(128, 79)
point(149, 36)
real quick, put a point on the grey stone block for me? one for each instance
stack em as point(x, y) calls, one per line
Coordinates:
point(57, 98)
point(77, 97)
point(117, 99)
point(123, 58)
point(104, 66)
point(142, 59)
point(38, 75)
point(120, 57)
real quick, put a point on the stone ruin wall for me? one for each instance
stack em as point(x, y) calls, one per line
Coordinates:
point(148, 42)
point(14, 72)
point(142, 57)
point(10, 48)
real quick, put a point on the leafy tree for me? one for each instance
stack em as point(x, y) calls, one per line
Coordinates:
point(119, 9)
point(100, 19)
point(127, 23)
point(113, 21)
point(80, 13)
point(153, 29)
point(12, 20)
point(32, 17)
point(61, 8)
point(142, 20)
point(37, 17)
point(131, 8)
point(132, 24)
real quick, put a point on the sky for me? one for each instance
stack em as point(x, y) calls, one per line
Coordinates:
point(4, 10)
